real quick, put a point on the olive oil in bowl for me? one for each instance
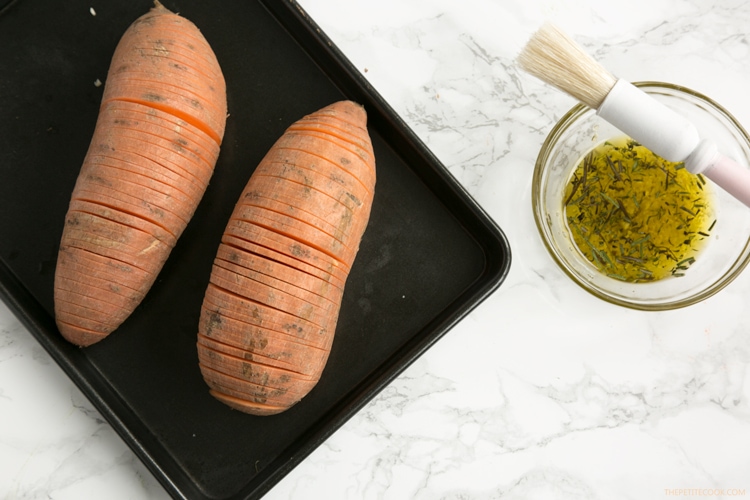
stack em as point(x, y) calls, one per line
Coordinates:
point(635, 216)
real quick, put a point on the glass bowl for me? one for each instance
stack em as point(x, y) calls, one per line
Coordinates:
point(727, 250)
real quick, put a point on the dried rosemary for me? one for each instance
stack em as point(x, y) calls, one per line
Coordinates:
point(636, 216)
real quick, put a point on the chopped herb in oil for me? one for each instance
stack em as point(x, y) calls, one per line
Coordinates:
point(636, 216)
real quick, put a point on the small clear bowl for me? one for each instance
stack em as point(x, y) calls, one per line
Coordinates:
point(720, 261)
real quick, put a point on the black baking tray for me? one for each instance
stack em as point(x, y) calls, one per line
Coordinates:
point(428, 257)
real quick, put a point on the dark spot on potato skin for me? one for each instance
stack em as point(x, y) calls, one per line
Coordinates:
point(72, 220)
point(354, 199)
point(298, 251)
point(277, 392)
point(213, 320)
point(336, 178)
point(256, 340)
point(151, 97)
point(293, 328)
point(98, 179)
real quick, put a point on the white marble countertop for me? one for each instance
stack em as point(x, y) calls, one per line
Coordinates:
point(543, 392)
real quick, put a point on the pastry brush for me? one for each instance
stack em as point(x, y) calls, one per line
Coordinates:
point(555, 58)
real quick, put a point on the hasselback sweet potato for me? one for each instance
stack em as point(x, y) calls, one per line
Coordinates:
point(153, 151)
point(272, 304)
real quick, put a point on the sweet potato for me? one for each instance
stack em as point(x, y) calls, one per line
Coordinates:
point(272, 305)
point(152, 154)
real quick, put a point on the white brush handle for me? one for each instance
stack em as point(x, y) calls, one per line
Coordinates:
point(672, 136)
point(649, 122)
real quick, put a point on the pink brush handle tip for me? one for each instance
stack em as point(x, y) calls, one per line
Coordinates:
point(722, 170)
point(731, 177)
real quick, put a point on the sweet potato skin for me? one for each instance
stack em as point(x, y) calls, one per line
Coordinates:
point(271, 308)
point(151, 156)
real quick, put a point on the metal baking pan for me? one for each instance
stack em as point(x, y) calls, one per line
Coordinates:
point(428, 257)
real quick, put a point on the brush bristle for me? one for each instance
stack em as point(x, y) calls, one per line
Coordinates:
point(554, 57)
